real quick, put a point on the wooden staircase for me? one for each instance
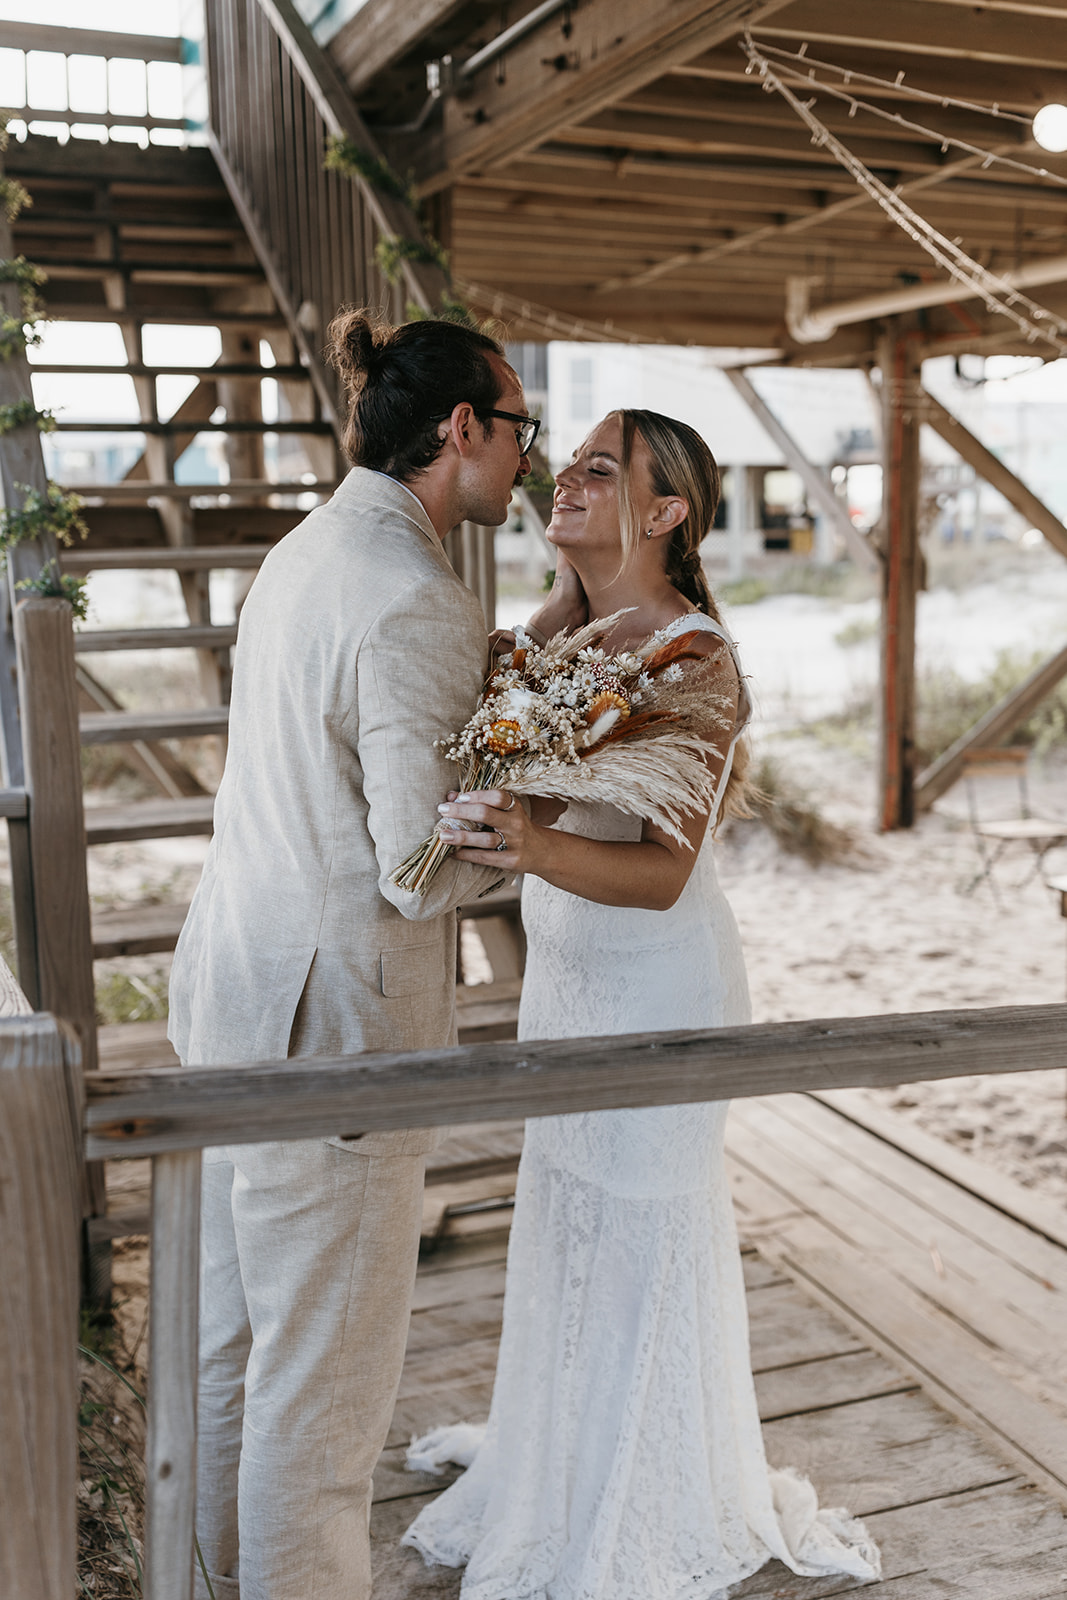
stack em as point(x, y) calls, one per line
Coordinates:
point(136, 238)
point(250, 236)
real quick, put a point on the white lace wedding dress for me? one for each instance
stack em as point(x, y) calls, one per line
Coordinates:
point(623, 1458)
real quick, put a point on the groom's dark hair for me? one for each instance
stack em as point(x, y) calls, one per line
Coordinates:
point(399, 383)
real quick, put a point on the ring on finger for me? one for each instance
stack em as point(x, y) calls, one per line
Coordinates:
point(511, 798)
point(503, 845)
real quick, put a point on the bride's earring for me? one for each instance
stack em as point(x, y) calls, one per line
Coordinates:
point(648, 535)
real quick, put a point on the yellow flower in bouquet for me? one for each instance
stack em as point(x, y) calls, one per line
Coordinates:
point(570, 721)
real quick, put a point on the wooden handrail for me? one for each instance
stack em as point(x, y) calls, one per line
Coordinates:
point(170, 1113)
point(171, 1109)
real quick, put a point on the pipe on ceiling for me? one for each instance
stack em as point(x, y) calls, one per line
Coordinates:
point(809, 326)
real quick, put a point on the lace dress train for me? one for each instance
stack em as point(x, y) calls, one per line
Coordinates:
point(623, 1457)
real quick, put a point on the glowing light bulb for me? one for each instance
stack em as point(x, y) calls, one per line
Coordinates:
point(1050, 128)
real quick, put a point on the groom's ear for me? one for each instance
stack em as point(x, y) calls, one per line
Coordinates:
point(461, 427)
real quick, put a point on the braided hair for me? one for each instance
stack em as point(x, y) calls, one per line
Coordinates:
point(681, 465)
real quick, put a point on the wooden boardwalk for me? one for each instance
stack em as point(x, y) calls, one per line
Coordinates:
point(908, 1312)
point(865, 1252)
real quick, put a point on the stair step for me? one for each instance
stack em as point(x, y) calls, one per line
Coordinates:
point(187, 638)
point(221, 369)
point(149, 819)
point(142, 931)
point(123, 727)
point(138, 489)
point(166, 430)
point(195, 558)
point(486, 1011)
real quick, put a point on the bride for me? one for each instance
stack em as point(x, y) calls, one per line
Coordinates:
point(623, 1458)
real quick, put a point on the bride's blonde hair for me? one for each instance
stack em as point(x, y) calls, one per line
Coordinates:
point(682, 465)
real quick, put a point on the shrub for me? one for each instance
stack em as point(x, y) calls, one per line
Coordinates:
point(794, 817)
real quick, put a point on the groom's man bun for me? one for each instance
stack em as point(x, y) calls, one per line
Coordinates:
point(397, 382)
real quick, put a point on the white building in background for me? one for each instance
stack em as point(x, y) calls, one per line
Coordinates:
point(1017, 407)
point(830, 414)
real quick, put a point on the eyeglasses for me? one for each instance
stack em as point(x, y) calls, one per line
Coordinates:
point(526, 430)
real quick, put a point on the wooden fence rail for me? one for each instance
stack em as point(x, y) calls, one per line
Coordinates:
point(171, 1114)
point(148, 1113)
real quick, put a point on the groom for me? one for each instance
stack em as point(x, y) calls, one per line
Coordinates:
point(358, 648)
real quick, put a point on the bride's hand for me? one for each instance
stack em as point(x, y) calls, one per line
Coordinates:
point(566, 606)
point(511, 840)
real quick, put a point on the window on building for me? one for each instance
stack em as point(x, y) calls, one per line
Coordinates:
point(582, 389)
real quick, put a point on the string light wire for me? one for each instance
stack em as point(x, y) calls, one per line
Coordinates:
point(897, 84)
point(945, 140)
point(998, 296)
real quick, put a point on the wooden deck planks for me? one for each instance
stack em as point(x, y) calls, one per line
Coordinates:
point(944, 1506)
point(959, 1292)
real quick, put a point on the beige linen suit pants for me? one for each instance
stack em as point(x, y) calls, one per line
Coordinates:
point(308, 1260)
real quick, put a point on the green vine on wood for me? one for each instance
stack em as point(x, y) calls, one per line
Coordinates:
point(56, 511)
point(16, 332)
point(13, 198)
point(23, 412)
point(345, 157)
point(448, 309)
point(56, 585)
point(393, 249)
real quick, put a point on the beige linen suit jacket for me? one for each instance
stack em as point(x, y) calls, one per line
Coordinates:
point(358, 647)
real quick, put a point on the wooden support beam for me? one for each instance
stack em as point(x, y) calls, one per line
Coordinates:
point(382, 33)
point(175, 1108)
point(993, 470)
point(183, 426)
point(21, 468)
point(994, 728)
point(89, 42)
point(817, 217)
point(570, 67)
point(63, 981)
point(900, 360)
point(904, 27)
point(63, 976)
point(819, 489)
point(40, 1158)
point(170, 1454)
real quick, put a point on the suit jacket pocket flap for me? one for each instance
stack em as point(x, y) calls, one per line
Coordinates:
point(410, 971)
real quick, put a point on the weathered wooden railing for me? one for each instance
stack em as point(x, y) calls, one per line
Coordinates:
point(276, 99)
point(120, 71)
point(172, 1114)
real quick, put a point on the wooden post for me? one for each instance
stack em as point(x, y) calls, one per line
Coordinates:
point(48, 711)
point(819, 488)
point(40, 1176)
point(170, 1461)
point(900, 359)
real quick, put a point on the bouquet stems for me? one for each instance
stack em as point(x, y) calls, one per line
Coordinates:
point(417, 870)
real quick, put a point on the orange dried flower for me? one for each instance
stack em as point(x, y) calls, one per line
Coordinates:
point(504, 736)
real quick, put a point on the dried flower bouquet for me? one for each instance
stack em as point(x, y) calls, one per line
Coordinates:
point(569, 721)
